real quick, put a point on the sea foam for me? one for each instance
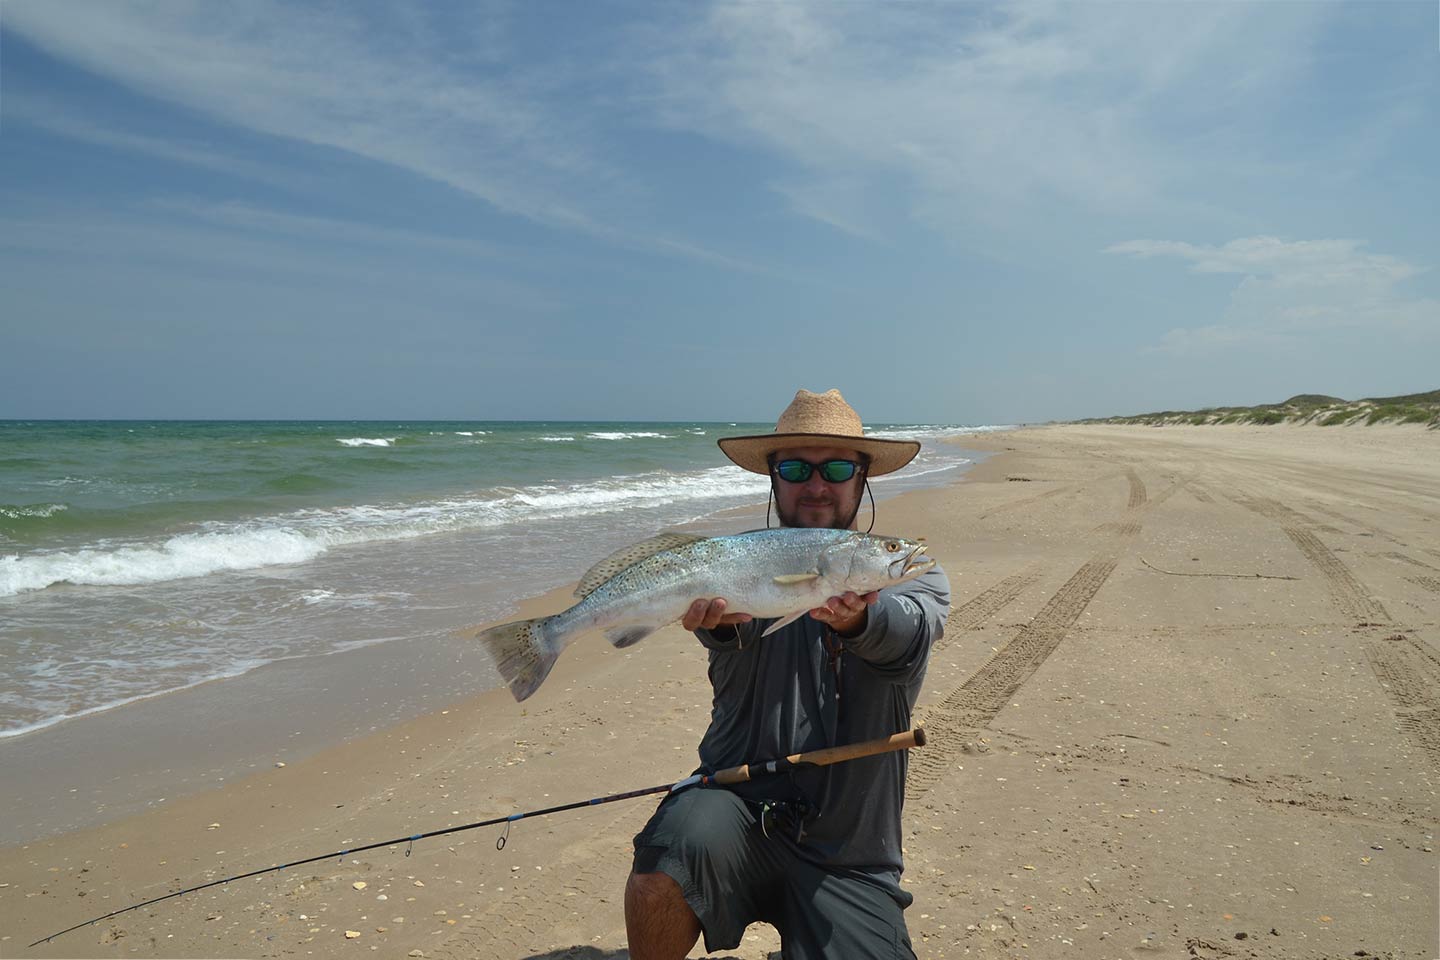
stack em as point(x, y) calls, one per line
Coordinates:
point(622, 435)
point(186, 555)
point(39, 510)
point(303, 535)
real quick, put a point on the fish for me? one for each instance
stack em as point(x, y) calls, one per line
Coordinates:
point(635, 591)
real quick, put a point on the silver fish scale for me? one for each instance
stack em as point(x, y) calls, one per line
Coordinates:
point(716, 567)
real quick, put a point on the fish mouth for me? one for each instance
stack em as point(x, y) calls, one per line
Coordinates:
point(912, 565)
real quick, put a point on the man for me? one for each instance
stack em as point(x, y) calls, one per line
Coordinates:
point(818, 855)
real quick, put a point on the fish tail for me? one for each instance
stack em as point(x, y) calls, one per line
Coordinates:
point(521, 654)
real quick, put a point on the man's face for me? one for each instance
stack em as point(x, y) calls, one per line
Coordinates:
point(817, 502)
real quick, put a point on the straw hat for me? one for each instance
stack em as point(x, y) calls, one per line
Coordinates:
point(819, 420)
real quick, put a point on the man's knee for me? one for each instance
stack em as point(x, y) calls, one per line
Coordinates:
point(653, 893)
point(659, 924)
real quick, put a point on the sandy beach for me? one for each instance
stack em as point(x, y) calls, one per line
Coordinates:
point(1187, 705)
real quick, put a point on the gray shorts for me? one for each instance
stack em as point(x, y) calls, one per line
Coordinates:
point(710, 842)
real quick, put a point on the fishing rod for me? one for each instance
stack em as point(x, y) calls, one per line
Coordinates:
point(730, 775)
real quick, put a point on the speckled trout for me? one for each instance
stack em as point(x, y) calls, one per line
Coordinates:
point(766, 573)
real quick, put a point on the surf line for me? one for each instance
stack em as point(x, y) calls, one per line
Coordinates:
point(730, 775)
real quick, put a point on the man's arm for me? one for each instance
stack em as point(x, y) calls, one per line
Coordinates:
point(893, 631)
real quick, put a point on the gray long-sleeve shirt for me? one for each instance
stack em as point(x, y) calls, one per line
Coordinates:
point(786, 693)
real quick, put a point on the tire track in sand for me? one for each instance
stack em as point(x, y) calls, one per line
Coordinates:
point(975, 703)
point(1347, 593)
point(971, 706)
point(1429, 583)
point(1396, 555)
point(1407, 668)
point(1137, 489)
point(978, 609)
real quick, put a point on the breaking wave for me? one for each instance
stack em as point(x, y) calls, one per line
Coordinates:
point(622, 435)
point(303, 535)
point(31, 510)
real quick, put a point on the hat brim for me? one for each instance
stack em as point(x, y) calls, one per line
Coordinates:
point(753, 453)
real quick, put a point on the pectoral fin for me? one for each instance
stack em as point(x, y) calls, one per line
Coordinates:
point(789, 578)
point(785, 621)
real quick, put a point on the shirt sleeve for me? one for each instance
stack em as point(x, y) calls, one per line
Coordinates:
point(902, 625)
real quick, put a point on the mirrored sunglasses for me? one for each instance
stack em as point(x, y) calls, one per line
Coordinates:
point(831, 471)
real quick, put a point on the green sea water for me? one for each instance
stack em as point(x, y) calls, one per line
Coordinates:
point(67, 482)
point(142, 557)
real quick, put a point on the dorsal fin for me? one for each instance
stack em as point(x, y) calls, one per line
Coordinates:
point(629, 556)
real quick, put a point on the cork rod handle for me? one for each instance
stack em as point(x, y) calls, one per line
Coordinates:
point(825, 757)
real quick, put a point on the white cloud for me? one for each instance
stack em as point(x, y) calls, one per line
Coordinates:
point(1292, 289)
point(1288, 263)
point(974, 111)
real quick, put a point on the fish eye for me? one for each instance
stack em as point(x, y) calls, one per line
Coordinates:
point(891, 546)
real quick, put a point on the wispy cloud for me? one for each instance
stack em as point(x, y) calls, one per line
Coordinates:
point(967, 112)
point(330, 231)
point(331, 81)
point(1290, 263)
point(413, 94)
point(1294, 288)
point(235, 243)
point(54, 117)
point(1190, 341)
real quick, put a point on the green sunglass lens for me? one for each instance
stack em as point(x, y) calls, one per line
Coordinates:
point(798, 471)
point(793, 471)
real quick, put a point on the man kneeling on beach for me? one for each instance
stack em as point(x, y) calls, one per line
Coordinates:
point(817, 855)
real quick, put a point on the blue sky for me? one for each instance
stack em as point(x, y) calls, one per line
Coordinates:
point(953, 212)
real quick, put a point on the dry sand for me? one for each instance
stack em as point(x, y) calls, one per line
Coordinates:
point(1187, 705)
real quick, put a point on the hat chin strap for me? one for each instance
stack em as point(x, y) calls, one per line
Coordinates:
point(871, 493)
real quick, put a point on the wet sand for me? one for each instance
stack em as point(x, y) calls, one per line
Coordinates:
point(1187, 705)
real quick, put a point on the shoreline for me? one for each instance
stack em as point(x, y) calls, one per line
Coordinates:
point(1121, 762)
point(113, 762)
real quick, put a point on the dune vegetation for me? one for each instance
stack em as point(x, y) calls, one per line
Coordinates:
point(1305, 408)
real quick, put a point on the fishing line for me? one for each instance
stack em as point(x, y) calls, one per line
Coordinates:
point(731, 775)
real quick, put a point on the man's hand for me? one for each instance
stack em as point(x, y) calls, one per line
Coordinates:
point(709, 614)
point(846, 615)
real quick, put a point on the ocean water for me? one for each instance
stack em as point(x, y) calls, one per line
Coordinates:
point(139, 558)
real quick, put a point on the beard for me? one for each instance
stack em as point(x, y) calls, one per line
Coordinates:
point(833, 511)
